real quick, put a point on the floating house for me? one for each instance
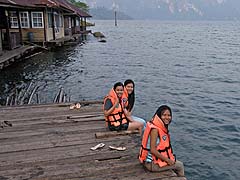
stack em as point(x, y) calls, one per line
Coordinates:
point(38, 21)
point(75, 21)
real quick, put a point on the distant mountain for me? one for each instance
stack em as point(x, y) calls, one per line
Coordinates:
point(107, 14)
point(173, 9)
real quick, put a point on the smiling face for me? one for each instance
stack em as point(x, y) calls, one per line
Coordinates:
point(129, 88)
point(119, 91)
point(166, 116)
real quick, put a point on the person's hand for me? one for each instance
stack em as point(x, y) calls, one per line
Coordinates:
point(124, 104)
point(170, 162)
point(116, 102)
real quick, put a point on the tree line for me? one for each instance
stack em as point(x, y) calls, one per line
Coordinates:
point(81, 5)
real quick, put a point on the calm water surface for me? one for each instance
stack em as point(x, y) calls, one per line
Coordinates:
point(192, 66)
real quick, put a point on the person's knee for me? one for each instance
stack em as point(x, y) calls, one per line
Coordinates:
point(179, 164)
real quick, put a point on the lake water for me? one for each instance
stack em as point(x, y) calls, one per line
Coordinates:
point(194, 67)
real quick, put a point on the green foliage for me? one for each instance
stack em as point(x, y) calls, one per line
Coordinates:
point(81, 5)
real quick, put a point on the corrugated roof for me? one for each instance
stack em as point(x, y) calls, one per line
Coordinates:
point(49, 3)
point(29, 3)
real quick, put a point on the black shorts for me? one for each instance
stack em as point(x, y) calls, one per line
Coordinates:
point(118, 128)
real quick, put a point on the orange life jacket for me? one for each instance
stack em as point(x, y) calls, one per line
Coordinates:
point(164, 146)
point(125, 97)
point(117, 117)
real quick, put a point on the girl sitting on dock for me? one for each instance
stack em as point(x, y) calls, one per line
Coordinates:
point(115, 117)
point(129, 93)
point(156, 153)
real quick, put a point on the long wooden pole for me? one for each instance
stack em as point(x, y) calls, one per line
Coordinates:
point(115, 15)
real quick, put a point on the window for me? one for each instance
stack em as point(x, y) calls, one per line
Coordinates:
point(50, 22)
point(56, 22)
point(37, 19)
point(61, 21)
point(13, 19)
point(77, 22)
point(69, 22)
point(24, 19)
point(72, 23)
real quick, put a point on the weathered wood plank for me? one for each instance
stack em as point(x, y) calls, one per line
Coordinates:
point(82, 126)
point(53, 142)
point(107, 134)
point(53, 119)
point(73, 168)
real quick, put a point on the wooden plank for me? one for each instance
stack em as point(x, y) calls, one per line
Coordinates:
point(61, 169)
point(49, 130)
point(13, 53)
point(93, 106)
point(45, 115)
point(70, 168)
point(107, 134)
point(82, 125)
point(52, 120)
point(55, 154)
point(113, 170)
point(53, 142)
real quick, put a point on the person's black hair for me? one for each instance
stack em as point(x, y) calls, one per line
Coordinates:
point(117, 84)
point(131, 97)
point(161, 110)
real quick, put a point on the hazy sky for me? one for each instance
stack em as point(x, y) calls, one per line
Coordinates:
point(147, 2)
point(206, 9)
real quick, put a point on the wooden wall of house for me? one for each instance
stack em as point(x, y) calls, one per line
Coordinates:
point(38, 34)
point(49, 34)
point(59, 31)
point(67, 27)
point(76, 30)
point(14, 38)
point(60, 34)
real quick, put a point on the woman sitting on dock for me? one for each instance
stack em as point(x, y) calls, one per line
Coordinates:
point(129, 93)
point(115, 117)
point(156, 153)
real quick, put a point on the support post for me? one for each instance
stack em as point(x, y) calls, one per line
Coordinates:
point(45, 14)
point(115, 15)
point(19, 26)
point(7, 30)
point(53, 28)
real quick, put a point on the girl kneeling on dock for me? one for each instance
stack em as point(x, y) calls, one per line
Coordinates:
point(156, 153)
point(115, 117)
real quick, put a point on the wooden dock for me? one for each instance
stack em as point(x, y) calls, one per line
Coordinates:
point(74, 38)
point(49, 142)
point(8, 57)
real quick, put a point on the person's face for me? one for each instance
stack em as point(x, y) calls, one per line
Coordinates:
point(119, 91)
point(129, 88)
point(166, 117)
